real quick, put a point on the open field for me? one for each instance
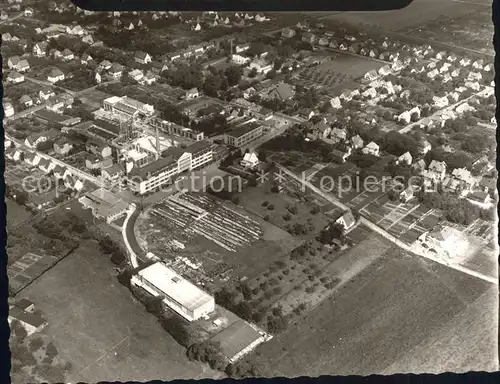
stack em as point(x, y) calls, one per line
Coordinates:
point(417, 12)
point(474, 30)
point(395, 311)
point(101, 329)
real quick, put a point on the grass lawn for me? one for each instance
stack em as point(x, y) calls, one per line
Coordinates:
point(101, 329)
point(401, 313)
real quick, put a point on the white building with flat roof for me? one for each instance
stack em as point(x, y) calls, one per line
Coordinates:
point(177, 293)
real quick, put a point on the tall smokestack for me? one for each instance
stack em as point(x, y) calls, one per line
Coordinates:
point(157, 144)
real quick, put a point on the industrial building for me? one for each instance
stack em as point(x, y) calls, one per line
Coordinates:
point(244, 134)
point(127, 106)
point(104, 205)
point(173, 162)
point(177, 293)
point(176, 130)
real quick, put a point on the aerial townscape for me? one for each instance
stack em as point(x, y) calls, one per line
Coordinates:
point(212, 195)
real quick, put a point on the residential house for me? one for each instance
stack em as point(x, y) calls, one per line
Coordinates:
point(432, 74)
point(26, 101)
point(320, 130)
point(455, 72)
point(478, 64)
point(240, 59)
point(488, 68)
point(105, 65)
point(384, 70)
point(474, 85)
point(440, 102)
point(36, 138)
point(191, 94)
point(88, 39)
point(441, 55)
point(323, 41)
point(116, 70)
point(112, 173)
point(8, 109)
point(98, 148)
point(30, 322)
point(406, 194)
point(404, 117)
point(446, 78)
point(405, 158)
point(369, 93)
point(464, 62)
point(445, 68)
point(46, 93)
point(338, 135)
point(45, 165)
point(373, 53)
point(55, 75)
point(464, 107)
point(62, 146)
point(15, 77)
point(67, 55)
point(40, 49)
point(61, 172)
point(86, 58)
point(452, 58)
point(287, 33)
point(142, 57)
point(371, 75)
point(419, 167)
point(488, 185)
point(308, 37)
point(340, 156)
point(136, 74)
point(371, 148)
point(357, 142)
point(250, 160)
point(334, 44)
point(149, 78)
point(346, 221)
point(13, 154)
point(32, 159)
point(474, 76)
point(261, 66)
point(281, 91)
point(435, 173)
point(481, 199)
point(335, 102)
point(460, 181)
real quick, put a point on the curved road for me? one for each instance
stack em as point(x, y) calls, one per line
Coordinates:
point(129, 232)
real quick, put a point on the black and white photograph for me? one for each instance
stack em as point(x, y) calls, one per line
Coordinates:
point(211, 195)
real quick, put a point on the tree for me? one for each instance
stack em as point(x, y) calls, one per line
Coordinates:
point(176, 328)
point(276, 324)
point(233, 75)
point(246, 291)
point(21, 197)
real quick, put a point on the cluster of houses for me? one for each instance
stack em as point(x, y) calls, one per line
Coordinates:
point(343, 146)
point(47, 166)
